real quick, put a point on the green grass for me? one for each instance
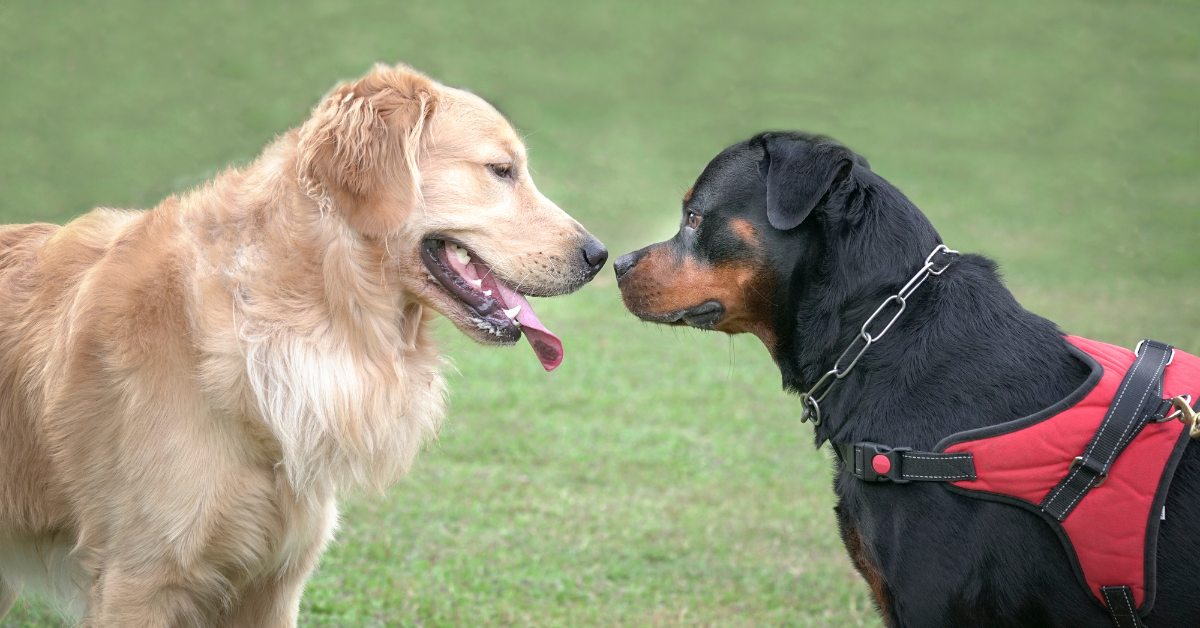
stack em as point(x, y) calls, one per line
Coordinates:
point(659, 477)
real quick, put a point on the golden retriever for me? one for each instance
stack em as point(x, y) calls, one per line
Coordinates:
point(184, 391)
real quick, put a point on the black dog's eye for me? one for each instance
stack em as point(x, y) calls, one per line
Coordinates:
point(504, 171)
point(693, 219)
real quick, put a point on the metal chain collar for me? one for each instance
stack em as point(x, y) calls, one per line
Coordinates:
point(811, 399)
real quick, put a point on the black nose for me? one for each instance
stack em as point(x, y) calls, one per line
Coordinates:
point(625, 263)
point(594, 254)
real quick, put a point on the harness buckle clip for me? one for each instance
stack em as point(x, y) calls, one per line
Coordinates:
point(1186, 414)
point(880, 463)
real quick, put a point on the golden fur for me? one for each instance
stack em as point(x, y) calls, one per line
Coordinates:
point(185, 390)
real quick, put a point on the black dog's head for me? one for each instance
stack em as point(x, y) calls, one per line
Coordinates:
point(781, 229)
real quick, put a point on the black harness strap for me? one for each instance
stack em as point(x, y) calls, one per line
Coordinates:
point(872, 462)
point(1120, 606)
point(1137, 401)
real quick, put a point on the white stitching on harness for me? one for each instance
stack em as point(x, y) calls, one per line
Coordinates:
point(961, 476)
point(1108, 417)
point(1112, 599)
point(1120, 395)
point(1129, 600)
point(1077, 497)
point(1062, 485)
point(1108, 462)
point(1128, 427)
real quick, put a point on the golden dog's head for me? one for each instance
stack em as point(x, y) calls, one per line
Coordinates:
point(442, 178)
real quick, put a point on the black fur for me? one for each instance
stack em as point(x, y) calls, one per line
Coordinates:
point(839, 239)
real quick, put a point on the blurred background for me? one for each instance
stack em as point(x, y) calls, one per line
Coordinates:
point(659, 477)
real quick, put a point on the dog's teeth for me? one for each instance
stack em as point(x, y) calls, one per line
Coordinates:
point(478, 283)
point(486, 293)
point(463, 256)
point(512, 314)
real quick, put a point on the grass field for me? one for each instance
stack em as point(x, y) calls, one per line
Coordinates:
point(659, 477)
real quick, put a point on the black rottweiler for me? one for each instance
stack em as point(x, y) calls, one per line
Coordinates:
point(793, 238)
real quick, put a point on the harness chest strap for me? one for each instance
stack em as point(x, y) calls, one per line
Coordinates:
point(1140, 394)
point(872, 462)
point(1135, 403)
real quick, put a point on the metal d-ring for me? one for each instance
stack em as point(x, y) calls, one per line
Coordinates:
point(1099, 479)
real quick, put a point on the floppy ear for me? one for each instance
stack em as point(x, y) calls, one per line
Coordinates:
point(359, 149)
point(798, 173)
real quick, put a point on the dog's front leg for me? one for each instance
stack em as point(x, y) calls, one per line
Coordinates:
point(273, 602)
point(145, 599)
point(860, 555)
point(273, 599)
point(8, 596)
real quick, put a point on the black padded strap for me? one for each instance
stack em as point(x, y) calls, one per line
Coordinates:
point(1137, 399)
point(1120, 605)
point(902, 464)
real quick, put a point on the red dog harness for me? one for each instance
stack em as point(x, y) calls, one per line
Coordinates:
point(1096, 466)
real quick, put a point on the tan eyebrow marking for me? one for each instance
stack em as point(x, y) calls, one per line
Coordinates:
point(687, 196)
point(744, 230)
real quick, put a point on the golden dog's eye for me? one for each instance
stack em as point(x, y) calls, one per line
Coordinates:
point(693, 220)
point(504, 171)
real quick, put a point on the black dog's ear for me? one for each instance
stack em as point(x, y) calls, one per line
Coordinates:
point(799, 172)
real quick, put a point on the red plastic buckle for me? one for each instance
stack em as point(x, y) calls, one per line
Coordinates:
point(880, 463)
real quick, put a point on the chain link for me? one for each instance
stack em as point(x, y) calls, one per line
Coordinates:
point(811, 399)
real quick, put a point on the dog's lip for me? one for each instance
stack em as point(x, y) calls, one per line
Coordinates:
point(703, 316)
point(483, 306)
point(496, 307)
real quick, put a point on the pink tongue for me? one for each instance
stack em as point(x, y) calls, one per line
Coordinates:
point(545, 344)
